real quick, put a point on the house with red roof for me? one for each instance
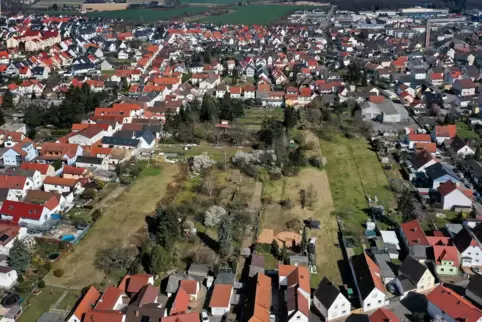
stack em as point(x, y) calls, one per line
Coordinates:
point(414, 239)
point(416, 138)
point(85, 305)
point(221, 299)
point(296, 279)
point(444, 303)
point(9, 232)
point(62, 185)
point(187, 317)
point(447, 259)
point(442, 133)
point(384, 315)
point(44, 169)
point(110, 300)
point(72, 172)
point(28, 213)
point(87, 136)
point(453, 197)
point(65, 152)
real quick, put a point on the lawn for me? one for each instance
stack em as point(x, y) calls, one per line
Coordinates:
point(123, 217)
point(148, 15)
point(354, 171)
point(465, 132)
point(39, 304)
point(275, 217)
point(254, 14)
point(254, 117)
point(214, 152)
point(69, 300)
point(187, 2)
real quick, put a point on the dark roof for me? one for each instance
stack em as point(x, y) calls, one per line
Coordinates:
point(463, 239)
point(4, 194)
point(92, 160)
point(421, 158)
point(146, 135)
point(407, 284)
point(326, 293)
point(199, 269)
point(437, 170)
point(475, 285)
point(5, 269)
point(225, 278)
point(457, 143)
point(474, 166)
point(257, 260)
point(412, 269)
point(110, 140)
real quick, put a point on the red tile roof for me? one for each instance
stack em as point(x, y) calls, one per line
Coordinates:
point(414, 233)
point(87, 303)
point(446, 253)
point(68, 169)
point(419, 137)
point(446, 188)
point(376, 99)
point(57, 181)
point(446, 131)
point(42, 168)
point(221, 296)
point(13, 182)
point(109, 298)
point(187, 317)
point(180, 303)
point(136, 282)
point(104, 316)
point(429, 147)
point(18, 210)
point(454, 305)
point(375, 273)
point(190, 286)
point(8, 229)
point(384, 315)
point(90, 131)
point(262, 299)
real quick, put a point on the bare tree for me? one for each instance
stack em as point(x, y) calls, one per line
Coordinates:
point(311, 196)
point(209, 184)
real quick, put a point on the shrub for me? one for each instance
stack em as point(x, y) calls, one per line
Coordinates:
point(41, 284)
point(290, 171)
point(250, 170)
point(315, 161)
point(48, 266)
point(96, 215)
point(294, 224)
point(20, 279)
point(58, 272)
point(268, 200)
point(286, 203)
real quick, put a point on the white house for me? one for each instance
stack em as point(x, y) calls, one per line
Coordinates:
point(87, 136)
point(18, 184)
point(452, 196)
point(330, 302)
point(468, 246)
point(61, 185)
point(9, 233)
point(8, 277)
point(417, 273)
point(371, 290)
point(460, 147)
point(221, 299)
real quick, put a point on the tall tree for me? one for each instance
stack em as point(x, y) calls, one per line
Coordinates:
point(225, 236)
point(19, 257)
point(208, 111)
point(7, 102)
point(167, 229)
point(290, 117)
point(160, 260)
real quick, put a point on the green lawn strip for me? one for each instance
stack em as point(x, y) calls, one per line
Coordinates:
point(465, 132)
point(147, 15)
point(36, 305)
point(69, 300)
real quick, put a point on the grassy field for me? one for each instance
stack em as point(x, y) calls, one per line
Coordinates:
point(465, 132)
point(254, 14)
point(40, 303)
point(275, 217)
point(145, 15)
point(122, 219)
point(354, 171)
point(187, 2)
point(254, 117)
point(216, 153)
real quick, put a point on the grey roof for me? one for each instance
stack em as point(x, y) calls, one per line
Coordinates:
point(225, 278)
point(383, 261)
point(407, 284)
point(475, 285)
point(474, 166)
point(92, 160)
point(174, 280)
point(199, 270)
point(51, 317)
point(257, 260)
point(326, 293)
point(453, 229)
point(111, 140)
point(4, 194)
point(437, 170)
point(146, 135)
point(457, 143)
point(412, 269)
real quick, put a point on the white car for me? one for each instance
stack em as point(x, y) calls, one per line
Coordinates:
point(204, 316)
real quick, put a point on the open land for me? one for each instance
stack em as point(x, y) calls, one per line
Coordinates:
point(123, 218)
point(216, 153)
point(253, 118)
point(355, 171)
point(253, 14)
point(148, 15)
point(42, 302)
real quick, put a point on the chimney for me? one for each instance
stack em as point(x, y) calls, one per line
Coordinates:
point(427, 35)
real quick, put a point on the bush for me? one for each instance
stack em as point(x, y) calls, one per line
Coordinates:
point(250, 170)
point(286, 203)
point(315, 161)
point(48, 266)
point(294, 224)
point(41, 284)
point(58, 272)
point(20, 279)
point(290, 171)
point(96, 215)
point(268, 200)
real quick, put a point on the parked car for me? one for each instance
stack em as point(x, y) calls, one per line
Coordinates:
point(204, 316)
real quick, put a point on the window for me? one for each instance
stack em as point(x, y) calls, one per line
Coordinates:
point(379, 301)
point(369, 304)
point(344, 312)
point(343, 304)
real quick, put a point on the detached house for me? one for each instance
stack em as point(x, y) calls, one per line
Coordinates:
point(330, 302)
point(442, 133)
point(464, 87)
point(414, 239)
point(452, 196)
point(371, 290)
point(444, 303)
point(460, 147)
point(298, 291)
point(221, 299)
point(467, 242)
point(414, 276)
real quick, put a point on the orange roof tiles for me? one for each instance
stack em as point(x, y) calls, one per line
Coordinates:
point(454, 305)
point(221, 296)
point(180, 303)
point(57, 181)
point(446, 131)
point(88, 301)
point(109, 298)
point(262, 299)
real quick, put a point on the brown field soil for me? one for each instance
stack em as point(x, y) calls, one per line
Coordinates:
point(121, 220)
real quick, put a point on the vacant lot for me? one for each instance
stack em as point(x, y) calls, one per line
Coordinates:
point(275, 217)
point(254, 14)
point(354, 171)
point(146, 15)
point(253, 118)
point(214, 152)
point(123, 218)
point(36, 305)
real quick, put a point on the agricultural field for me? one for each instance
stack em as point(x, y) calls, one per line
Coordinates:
point(254, 14)
point(146, 15)
point(123, 218)
point(217, 2)
point(49, 3)
point(355, 171)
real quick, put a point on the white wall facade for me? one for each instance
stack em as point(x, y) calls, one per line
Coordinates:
point(374, 300)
